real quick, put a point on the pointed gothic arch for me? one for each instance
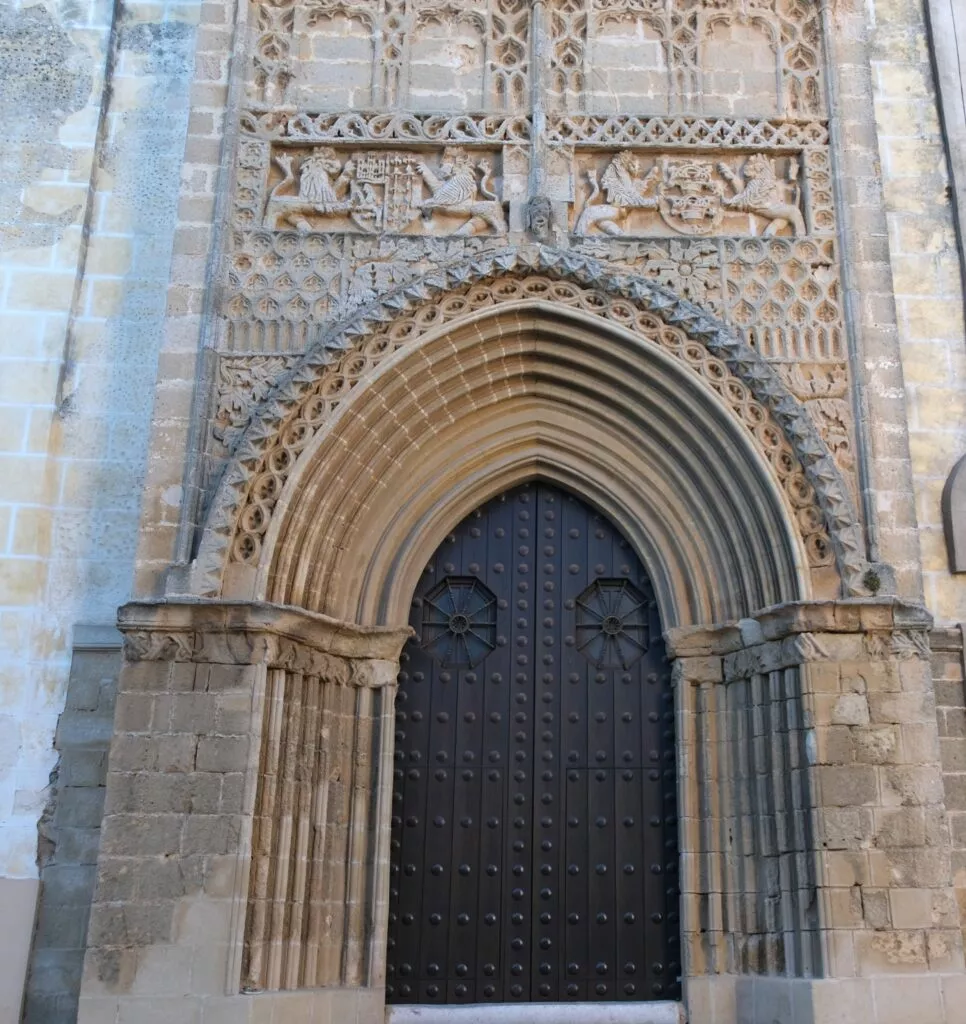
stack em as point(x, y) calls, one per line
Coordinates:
point(479, 375)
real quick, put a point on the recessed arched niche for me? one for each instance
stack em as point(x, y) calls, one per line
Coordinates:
point(627, 67)
point(739, 65)
point(335, 66)
point(446, 61)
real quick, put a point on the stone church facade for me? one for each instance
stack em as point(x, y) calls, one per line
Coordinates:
point(483, 517)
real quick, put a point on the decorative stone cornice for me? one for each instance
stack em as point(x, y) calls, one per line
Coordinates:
point(243, 633)
point(891, 628)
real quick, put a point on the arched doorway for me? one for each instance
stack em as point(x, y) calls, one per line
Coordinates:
point(534, 832)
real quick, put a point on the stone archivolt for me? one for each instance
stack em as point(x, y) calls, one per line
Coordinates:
point(300, 404)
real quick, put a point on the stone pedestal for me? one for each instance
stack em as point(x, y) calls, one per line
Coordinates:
point(244, 850)
point(816, 877)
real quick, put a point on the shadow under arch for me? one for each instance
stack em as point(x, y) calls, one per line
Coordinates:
point(703, 441)
point(509, 395)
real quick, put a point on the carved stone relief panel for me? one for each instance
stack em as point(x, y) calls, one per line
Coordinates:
point(648, 194)
point(332, 209)
point(453, 191)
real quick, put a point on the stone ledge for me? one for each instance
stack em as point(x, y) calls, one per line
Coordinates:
point(540, 1013)
point(861, 615)
point(180, 621)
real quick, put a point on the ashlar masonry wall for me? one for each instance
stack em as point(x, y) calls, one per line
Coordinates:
point(94, 101)
point(927, 271)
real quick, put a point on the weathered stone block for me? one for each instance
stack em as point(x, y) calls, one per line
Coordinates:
point(851, 709)
point(903, 827)
point(141, 835)
point(847, 787)
point(222, 754)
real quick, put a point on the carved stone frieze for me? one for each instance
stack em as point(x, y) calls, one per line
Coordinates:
point(711, 132)
point(250, 648)
point(453, 192)
point(901, 645)
point(302, 126)
point(652, 194)
point(261, 634)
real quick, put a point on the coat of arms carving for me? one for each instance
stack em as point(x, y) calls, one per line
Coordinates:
point(692, 196)
point(385, 191)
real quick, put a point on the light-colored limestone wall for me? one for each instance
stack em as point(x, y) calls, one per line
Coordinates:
point(88, 198)
point(927, 277)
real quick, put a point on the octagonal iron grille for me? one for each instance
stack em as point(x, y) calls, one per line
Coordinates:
point(612, 623)
point(459, 622)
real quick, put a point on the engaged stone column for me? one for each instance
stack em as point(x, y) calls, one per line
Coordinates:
point(244, 851)
point(816, 873)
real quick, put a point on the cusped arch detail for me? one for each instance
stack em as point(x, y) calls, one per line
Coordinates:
point(282, 425)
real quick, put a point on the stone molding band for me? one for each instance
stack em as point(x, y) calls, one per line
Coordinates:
point(251, 633)
point(883, 617)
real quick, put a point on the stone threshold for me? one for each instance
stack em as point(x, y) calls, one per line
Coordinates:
point(539, 1013)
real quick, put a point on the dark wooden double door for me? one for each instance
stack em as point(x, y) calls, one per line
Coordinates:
point(534, 852)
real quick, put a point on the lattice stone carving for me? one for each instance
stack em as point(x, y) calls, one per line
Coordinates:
point(785, 296)
point(638, 131)
point(282, 287)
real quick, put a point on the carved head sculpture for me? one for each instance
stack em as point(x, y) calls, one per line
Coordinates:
point(539, 217)
point(629, 162)
point(323, 159)
point(758, 166)
point(455, 160)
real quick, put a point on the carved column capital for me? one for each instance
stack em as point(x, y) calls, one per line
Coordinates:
point(251, 633)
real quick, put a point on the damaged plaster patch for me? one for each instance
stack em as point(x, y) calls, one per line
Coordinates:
point(166, 46)
point(44, 79)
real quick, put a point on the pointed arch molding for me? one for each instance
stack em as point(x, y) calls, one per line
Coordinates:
point(269, 453)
